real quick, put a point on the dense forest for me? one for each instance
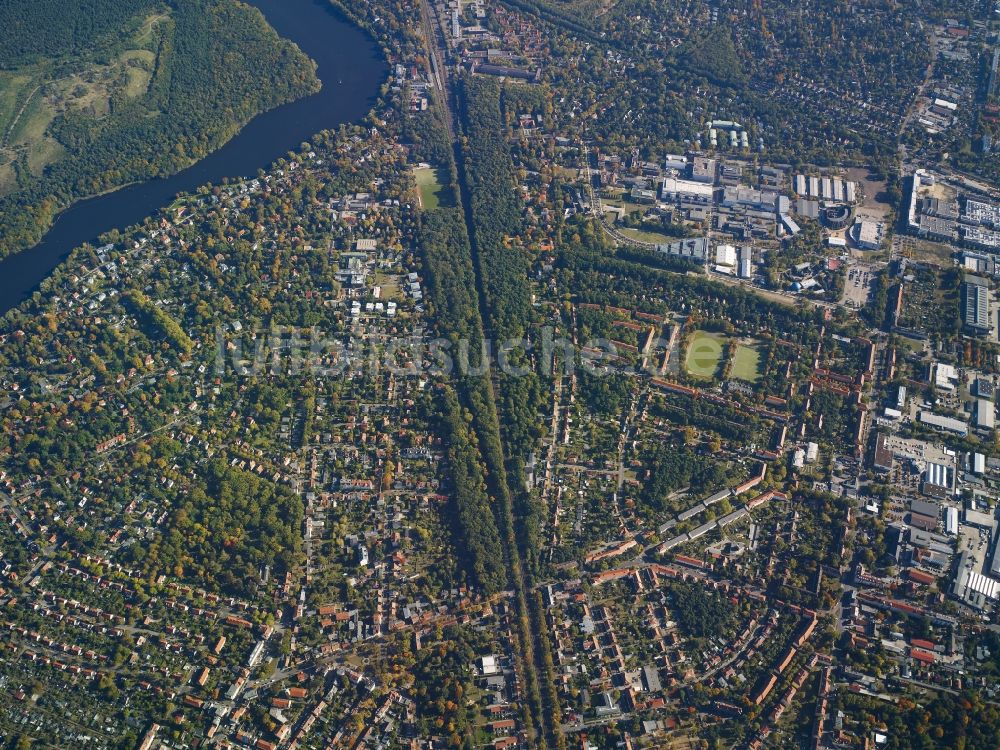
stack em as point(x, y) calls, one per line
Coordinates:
point(443, 676)
point(476, 532)
point(503, 265)
point(713, 55)
point(506, 416)
point(231, 525)
point(672, 467)
point(472, 277)
point(54, 28)
point(217, 65)
point(957, 721)
point(496, 210)
point(700, 613)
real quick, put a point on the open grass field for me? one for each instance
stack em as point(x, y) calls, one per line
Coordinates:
point(746, 363)
point(33, 96)
point(643, 235)
point(8, 178)
point(33, 122)
point(390, 286)
point(704, 354)
point(139, 64)
point(431, 190)
point(15, 86)
point(145, 34)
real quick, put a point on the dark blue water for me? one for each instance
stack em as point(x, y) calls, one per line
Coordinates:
point(351, 68)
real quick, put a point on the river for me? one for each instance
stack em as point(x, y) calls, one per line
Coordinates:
point(349, 64)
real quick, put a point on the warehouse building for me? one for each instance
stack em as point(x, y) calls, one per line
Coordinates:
point(938, 480)
point(672, 188)
point(984, 414)
point(695, 250)
point(868, 234)
point(764, 200)
point(943, 423)
point(976, 305)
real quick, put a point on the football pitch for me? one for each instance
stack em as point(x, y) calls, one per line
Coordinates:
point(746, 363)
point(704, 354)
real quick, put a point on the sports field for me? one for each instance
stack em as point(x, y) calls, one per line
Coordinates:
point(746, 362)
point(704, 354)
point(430, 188)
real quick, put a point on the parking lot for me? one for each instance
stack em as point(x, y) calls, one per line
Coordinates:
point(858, 284)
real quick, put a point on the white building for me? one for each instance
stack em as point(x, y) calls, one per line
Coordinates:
point(488, 665)
point(984, 414)
point(951, 520)
point(945, 376)
point(672, 188)
point(868, 234)
point(725, 255)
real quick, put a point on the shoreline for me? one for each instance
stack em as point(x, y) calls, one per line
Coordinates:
point(255, 145)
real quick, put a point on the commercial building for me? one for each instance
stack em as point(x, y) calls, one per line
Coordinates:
point(353, 269)
point(976, 262)
point(703, 170)
point(913, 207)
point(920, 521)
point(837, 217)
point(695, 249)
point(945, 376)
point(976, 305)
point(672, 188)
point(812, 452)
point(807, 208)
point(925, 508)
point(641, 195)
point(789, 224)
point(936, 228)
point(725, 255)
point(984, 414)
point(943, 423)
point(978, 519)
point(868, 234)
point(981, 237)
point(972, 587)
point(764, 200)
point(951, 521)
point(984, 214)
point(938, 479)
point(676, 162)
point(978, 463)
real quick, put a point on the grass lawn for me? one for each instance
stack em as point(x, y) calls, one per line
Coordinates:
point(32, 96)
point(646, 236)
point(704, 354)
point(14, 89)
point(139, 64)
point(8, 178)
point(746, 363)
point(390, 286)
point(431, 190)
point(933, 252)
point(43, 152)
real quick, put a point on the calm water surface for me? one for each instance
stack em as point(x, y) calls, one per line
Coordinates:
point(351, 68)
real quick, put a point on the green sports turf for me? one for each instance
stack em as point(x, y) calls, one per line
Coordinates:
point(704, 354)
